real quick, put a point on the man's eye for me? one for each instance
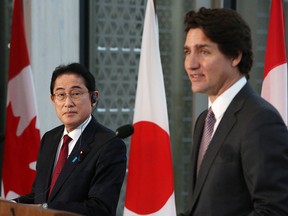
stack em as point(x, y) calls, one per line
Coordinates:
point(204, 52)
point(187, 52)
point(76, 93)
point(61, 95)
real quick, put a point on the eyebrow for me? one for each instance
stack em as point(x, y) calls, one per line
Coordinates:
point(198, 46)
point(73, 87)
point(186, 47)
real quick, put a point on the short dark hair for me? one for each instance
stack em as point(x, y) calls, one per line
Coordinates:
point(74, 68)
point(226, 28)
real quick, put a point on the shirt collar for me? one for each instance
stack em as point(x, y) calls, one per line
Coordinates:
point(222, 102)
point(75, 134)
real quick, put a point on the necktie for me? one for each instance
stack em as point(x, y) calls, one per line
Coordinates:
point(61, 160)
point(207, 135)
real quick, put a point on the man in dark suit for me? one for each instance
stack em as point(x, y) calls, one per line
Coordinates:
point(92, 176)
point(240, 150)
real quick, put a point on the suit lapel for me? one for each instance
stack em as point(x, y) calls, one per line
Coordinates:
point(196, 144)
point(214, 147)
point(52, 146)
point(83, 144)
point(91, 133)
point(223, 129)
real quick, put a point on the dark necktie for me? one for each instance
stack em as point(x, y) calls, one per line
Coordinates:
point(61, 160)
point(206, 138)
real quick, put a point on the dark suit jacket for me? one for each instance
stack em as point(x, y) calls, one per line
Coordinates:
point(245, 169)
point(88, 186)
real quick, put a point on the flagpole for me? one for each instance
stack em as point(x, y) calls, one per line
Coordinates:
point(5, 31)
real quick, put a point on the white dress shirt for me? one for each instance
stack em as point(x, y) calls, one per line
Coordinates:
point(220, 105)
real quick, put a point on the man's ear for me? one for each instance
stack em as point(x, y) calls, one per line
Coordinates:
point(52, 98)
point(236, 60)
point(94, 98)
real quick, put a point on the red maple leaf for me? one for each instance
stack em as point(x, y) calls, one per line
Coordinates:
point(19, 153)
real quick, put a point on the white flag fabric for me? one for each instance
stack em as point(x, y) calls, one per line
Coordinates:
point(150, 184)
point(22, 137)
point(274, 87)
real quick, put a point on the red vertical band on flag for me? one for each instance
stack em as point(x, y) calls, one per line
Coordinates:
point(275, 50)
point(274, 87)
point(22, 135)
point(18, 47)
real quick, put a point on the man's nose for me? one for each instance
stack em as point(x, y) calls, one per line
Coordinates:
point(68, 100)
point(192, 61)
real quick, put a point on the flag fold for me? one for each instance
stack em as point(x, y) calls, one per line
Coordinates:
point(150, 184)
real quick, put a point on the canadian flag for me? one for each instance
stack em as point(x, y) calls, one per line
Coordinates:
point(274, 87)
point(22, 136)
point(150, 184)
